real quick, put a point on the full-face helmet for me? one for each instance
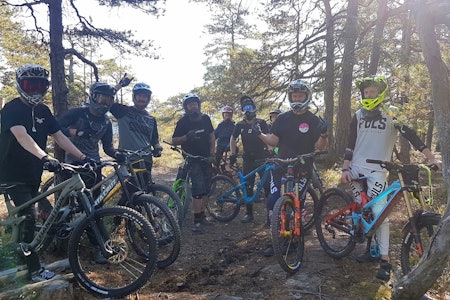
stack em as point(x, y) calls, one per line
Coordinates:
point(101, 97)
point(141, 88)
point(299, 86)
point(32, 83)
point(189, 98)
point(248, 107)
point(378, 82)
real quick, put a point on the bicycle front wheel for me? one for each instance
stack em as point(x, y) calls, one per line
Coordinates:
point(410, 254)
point(126, 270)
point(333, 223)
point(311, 202)
point(223, 208)
point(167, 230)
point(183, 191)
point(288, 246)
point(170, 198)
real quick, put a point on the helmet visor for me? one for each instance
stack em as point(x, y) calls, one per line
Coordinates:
point(249, 108)
point(34, 86)
point(105, 100)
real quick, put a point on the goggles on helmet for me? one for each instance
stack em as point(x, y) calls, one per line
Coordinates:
point(35, 86)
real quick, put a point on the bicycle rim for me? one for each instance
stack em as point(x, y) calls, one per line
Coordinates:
point(167, 230)
point(409, 256)
point(126, 270)
point(223, 208)
point(288, 246)
point(336, 242)
point(311, 201)
point(170, 198)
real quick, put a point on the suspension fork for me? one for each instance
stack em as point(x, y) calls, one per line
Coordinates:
point(414, 221)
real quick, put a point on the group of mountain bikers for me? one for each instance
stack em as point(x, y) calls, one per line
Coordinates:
point(26, 122)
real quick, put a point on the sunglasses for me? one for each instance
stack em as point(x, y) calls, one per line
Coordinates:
point(35, 86)
point(248, 108)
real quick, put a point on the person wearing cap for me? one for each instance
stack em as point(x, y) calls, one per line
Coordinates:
point(255, 150)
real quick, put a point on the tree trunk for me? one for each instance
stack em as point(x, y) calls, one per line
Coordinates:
point(345, 94)
point(329, 72)
point(378, 37)
point(59, 87)
point(430, 267)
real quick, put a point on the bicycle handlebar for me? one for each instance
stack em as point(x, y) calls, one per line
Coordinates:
point(184, 153)
point(301, 158)
point(393, 166)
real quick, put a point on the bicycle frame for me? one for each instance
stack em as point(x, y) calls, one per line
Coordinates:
point(73, 186)
point(267, 167)
point(392, 194)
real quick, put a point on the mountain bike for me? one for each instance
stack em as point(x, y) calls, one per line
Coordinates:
point(288, 218)
point(342, 222)
point(137, 167)
point(108, 189)
point(182, 186)
point(117, 232)
point(226, 197)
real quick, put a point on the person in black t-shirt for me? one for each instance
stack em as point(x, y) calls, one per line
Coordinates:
point(295, 132)
point(223, 133)
point(24, 127)
point(255, 151)
point(195, 133)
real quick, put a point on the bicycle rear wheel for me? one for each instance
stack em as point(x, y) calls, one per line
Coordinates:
point(288, 247)
point(333, 232)
point(126, 270)
point(409, 256)
point(167, 230)
point(170, 198)
point(311, 202)
point(223, 208)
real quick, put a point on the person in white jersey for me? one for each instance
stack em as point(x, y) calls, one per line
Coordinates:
point(373, 132)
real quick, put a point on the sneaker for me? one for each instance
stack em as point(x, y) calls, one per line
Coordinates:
point(367, 257)
point(42, 275)
point(247, 218)
point(197, 228)
point(268, 252)
point(207, 222)
point(384, 272)
point(99, 258)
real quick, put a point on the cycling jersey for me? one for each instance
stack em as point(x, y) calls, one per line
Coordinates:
point(375, 139)
point(201, 144)
point(222, 134)
point(254, 148)
point(93, 128)
point(16, 163)
point(297, 134)
point(137, 128)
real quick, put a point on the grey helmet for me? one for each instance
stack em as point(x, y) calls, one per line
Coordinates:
point(32, 83)
point(297, 86)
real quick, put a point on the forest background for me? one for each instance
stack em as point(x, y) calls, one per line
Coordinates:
point(257, 52)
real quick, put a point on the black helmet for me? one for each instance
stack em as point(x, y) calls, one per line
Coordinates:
point(100, 88)
point(275, 112)
point(32, 83)
point(247, 104)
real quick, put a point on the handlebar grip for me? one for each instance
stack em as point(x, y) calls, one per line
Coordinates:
point(374, 161)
